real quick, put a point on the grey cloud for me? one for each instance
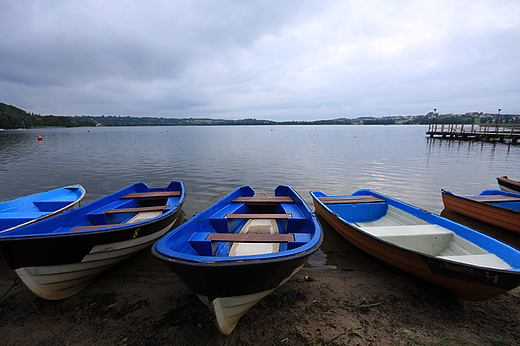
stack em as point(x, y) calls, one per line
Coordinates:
point(273, 60)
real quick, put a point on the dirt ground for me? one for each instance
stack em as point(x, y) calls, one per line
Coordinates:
point(343, 297)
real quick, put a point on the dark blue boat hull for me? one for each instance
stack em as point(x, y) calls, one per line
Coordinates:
point(230, 279)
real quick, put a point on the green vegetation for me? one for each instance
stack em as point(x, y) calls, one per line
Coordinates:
point(463, 119)
point(13, 118)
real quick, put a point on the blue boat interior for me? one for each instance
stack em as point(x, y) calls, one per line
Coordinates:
point(515, 205)
point(25, 209)
point(357, 212)
point(34, 210)
point(11, 219)
point(190, 240)
point(360, 212)
point(218, 223)
point(91, 216)
point(99, 217)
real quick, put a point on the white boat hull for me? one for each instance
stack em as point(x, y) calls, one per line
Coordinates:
point(229, 310)
point(62, 281)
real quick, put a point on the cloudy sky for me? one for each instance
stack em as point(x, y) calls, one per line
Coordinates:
point(278, 60)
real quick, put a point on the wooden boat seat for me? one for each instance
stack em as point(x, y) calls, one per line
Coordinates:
point(140, 216)
point(250, 238)
point(351, 199)
point(258, 228)
point(493, 199)
point(100, 220)
point(225, 220)
point(89, 228)
point(204, 243)
point(136, 210)
point(485, 260)
point(153, 194)
point(263, 199)
point(258, 216)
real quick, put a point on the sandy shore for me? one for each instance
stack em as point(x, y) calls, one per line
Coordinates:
point(343, 297)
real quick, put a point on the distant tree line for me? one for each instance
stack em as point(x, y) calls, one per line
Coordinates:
point(149, 121)
point(379, 121)
point(13, 118)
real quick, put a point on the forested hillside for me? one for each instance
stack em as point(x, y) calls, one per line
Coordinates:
point(15, 118)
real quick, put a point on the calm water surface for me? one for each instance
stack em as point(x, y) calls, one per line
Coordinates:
point(399, 161)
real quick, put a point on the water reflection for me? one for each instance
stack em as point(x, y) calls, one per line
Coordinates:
point(399, 161)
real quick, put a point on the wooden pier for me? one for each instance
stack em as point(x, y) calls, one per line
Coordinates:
point(488, 133)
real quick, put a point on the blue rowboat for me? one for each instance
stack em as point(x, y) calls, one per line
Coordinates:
point(468, 263)
point(57, 257)
point(495, 207)
point(25, 210)
point(241, 249)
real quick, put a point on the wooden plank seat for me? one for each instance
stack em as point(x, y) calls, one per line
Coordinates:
point(136, 210)
point(205, 243)
point(263, 199)
point(493, 199)
point(153, 194)
point(258, 216)
point(351, 199)
point(88, 228)
point(250, 238)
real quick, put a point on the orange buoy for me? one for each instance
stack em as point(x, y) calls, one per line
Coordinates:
point(40, 138)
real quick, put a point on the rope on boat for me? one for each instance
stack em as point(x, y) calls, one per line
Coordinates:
point(15, 283)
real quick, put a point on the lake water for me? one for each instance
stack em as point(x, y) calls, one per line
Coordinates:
point(399, 161)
